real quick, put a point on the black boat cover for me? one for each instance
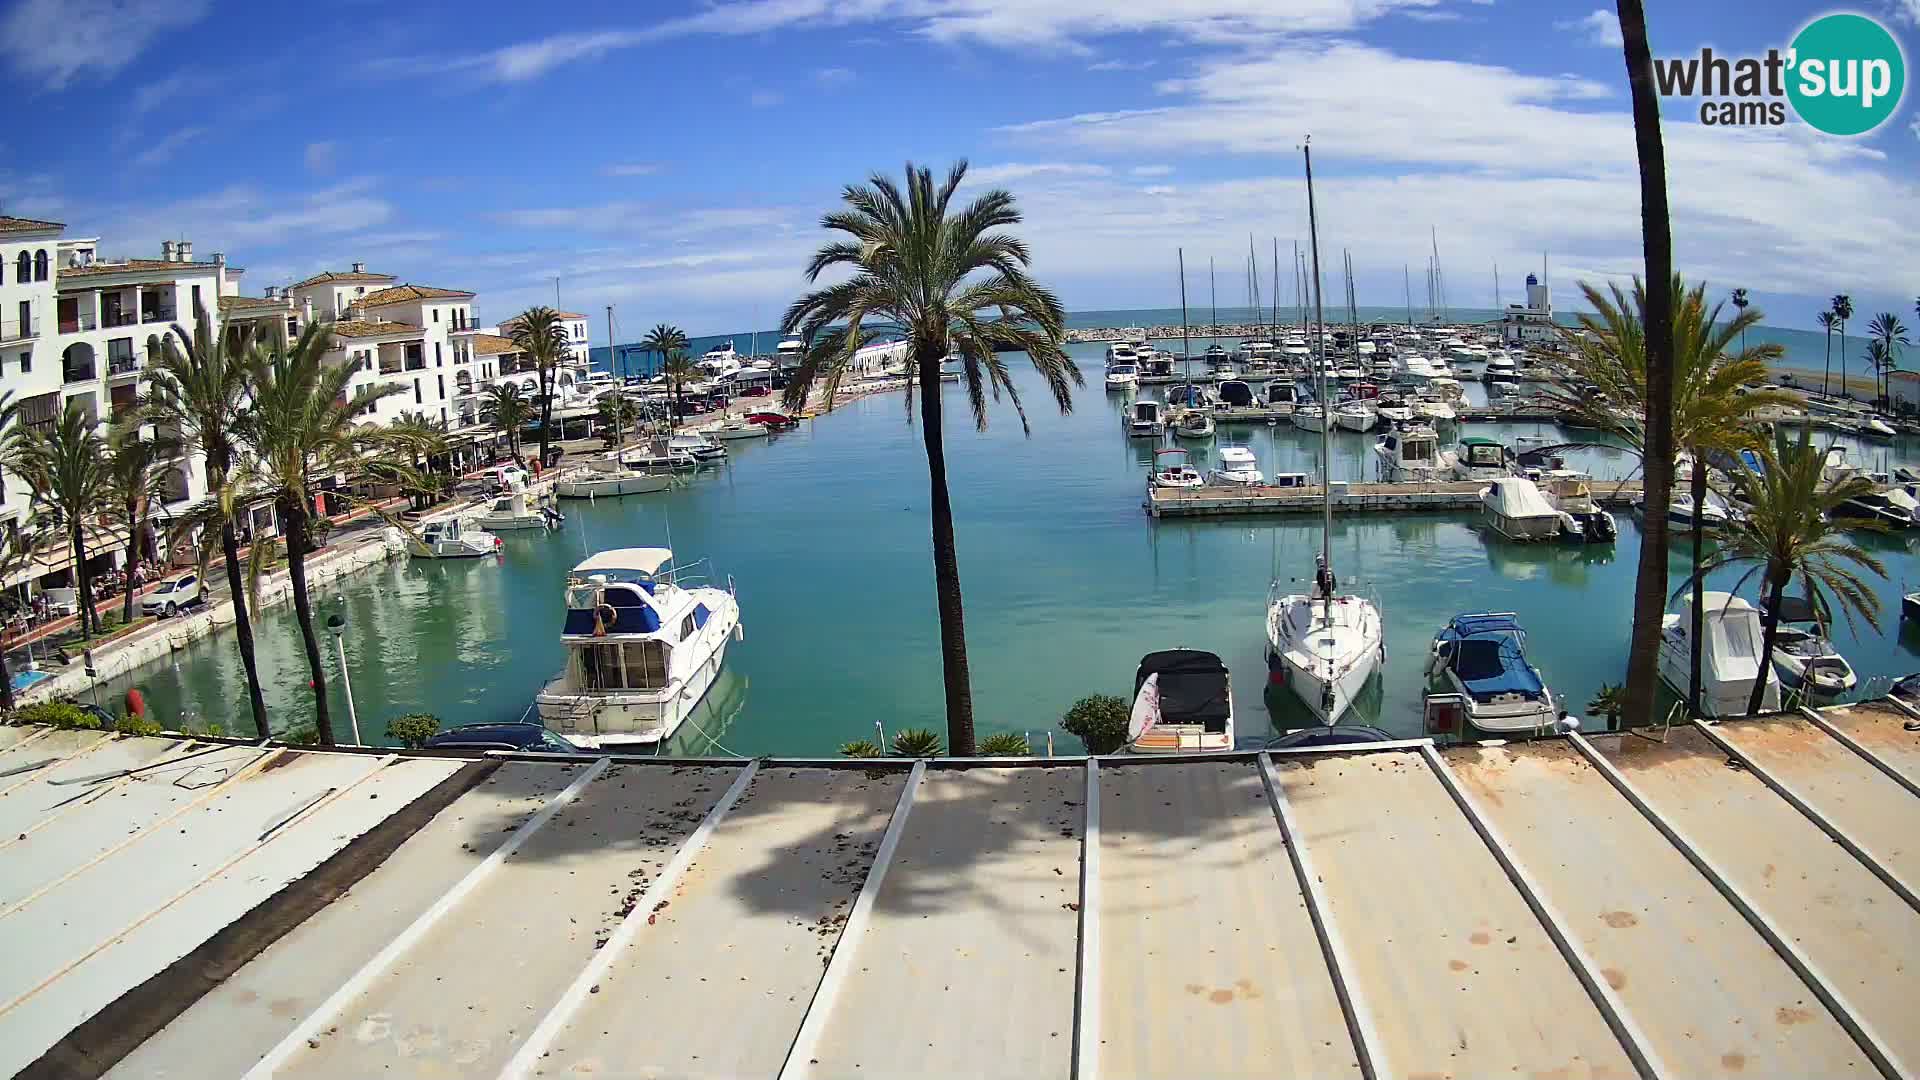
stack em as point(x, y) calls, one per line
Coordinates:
point(1193, 686)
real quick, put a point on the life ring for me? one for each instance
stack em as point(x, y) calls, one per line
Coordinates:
point(600, 625)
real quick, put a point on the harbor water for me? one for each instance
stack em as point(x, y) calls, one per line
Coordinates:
point(824, 534)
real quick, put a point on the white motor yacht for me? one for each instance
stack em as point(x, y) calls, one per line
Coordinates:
point(788, 354)
point(1194, 423)
point(1435, 412)
point(1730, 660)
point(1122, 376)
point(1182, 703)
point(1516, 510)
point(452, 538)
point(738, 428)
point(720, 361)
point(1145, 419)
point(1237, 467)
point(1173, 468)
point(1355, 416)
point(644, 642)
point(1121, 352)
point(1412, 455)
point(1481, 458)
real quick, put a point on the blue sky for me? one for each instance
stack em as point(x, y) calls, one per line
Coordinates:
point(673, 159)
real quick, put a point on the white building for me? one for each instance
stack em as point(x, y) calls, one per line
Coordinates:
point(1532, 322)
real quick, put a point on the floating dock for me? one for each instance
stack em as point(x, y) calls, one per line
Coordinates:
point(1238, 501)
point(1606, 906)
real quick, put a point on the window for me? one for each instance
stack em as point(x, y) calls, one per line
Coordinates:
point(436, 314)
point(40, 265)
point(633, 665)
point(293, 326)
point(196, 301)
point(416, 391)
point(443, 385)
point(23, 269)
point(686, 627)
point(436, 354)
point(26, 362)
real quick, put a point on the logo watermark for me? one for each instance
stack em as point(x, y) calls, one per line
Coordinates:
point(1843, 74)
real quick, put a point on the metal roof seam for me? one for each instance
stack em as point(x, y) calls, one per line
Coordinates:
point(1853, 744)
point(1367, 1045)
point(1634, 1041)
point(540, 1040)
point(271, 1063)
point(1086, 1002)
point(1864, 1036)
point(799, 1061)
point(27, 775)
point(1794, 799)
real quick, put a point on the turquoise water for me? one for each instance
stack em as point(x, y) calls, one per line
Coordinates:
point(1067, 583)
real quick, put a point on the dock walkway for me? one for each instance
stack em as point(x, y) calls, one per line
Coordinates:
point(1371, 498)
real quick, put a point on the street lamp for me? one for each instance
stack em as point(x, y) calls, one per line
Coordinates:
point(337, 623)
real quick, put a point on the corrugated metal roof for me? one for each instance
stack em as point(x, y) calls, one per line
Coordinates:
point(1720, 902)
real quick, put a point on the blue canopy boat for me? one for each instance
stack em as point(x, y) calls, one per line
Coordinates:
point(1478, 677)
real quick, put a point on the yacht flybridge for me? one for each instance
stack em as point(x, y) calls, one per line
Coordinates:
point(644, 643)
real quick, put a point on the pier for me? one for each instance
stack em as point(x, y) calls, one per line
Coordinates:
point(1378, 498)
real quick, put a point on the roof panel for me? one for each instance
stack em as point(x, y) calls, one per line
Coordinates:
point(967, 967)
point(746, 935)
point(1464, 979)
point(1881, 731)
point(34, 798)
point(462, 1000)
point(1213, 970)
point(1690, 971)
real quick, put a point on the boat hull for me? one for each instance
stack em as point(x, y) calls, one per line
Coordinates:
point(607, 487)
point(1308, 680)
point(644, 717)
point(1717, 698)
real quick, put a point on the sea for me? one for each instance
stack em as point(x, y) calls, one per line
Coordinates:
point(823, 533)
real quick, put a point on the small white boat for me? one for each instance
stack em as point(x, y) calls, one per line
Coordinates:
point(1395, 410)
point(1729, 659)
point(522, 509)
point(1435, 412)
point(608, 476)
point(1413, 455)
point(699, 447)
point(1808, 662)
point(1194, 424)
point(1516, 510)
point(1478, 672)
point(1145, 419)
point(452, 539)
point(1237, 466)
point(738, 428)
point(1355, 416)
point(1482, 458)
point(1876, 429)
point(1681, 515)
point(644, 642)
point(1122, 376)
point(1323, 646)
point(1173, 469)
point(1182, 703)
point(1582, 519)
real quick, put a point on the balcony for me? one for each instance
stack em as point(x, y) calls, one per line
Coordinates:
point(79, 322)
point(122, 365)
point(20, 331)
point(389, 367)
point(160, 315)
point(118, 318)
point(79, 373)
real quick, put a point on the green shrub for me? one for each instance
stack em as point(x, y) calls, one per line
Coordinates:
point(414, 729)
point(58, 714)
point(137, 725)
point(1099, 721)
point(916, 742)
point(1610, 702)
point(1005, 744)
point(304, 735)
point(861, 748)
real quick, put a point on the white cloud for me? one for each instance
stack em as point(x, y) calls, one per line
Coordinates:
point(833, 76)
point(631, 168)
point(49, 42)
point(1151, 170)
point(1121, 65)
point(1601, 27)
point(1915, 128)
point(999, 174)
point(1907, 11)
point(1159, 189)
point(762, 99)
point(322, 157)
point(162, 150)
point(157, 93)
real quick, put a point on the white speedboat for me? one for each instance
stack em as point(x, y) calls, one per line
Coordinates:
point(1729, 659)
point(1194, 424)
point(1582, 519)
point(1892, 508)
point(1681, 515)
point(1172, 469)
point(1478, 668)
point(1412, 455)
point(699, 447)
point(1182, 703)
point(1121, 352)
point(1434, 412)
point(1481, 458)
point(608, 476)
point(1516, 510)
point(1145, 419)
point(738, 428)
point(1807, 662)
point(521, 509)
point(452, 539)
point(1355, 416)
point(644, 642)
point(1122, 376)
point(1394, 410)
point(1237, 467)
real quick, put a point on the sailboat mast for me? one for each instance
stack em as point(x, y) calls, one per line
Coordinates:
point(1299, 298)
point(1275, 335)
point(619, 400)
point(1213, 299)
point(1320, 336)
point(1439, 280)
point(1186, 347)
point(1496, 287)
point(1406, 279)
point(1253, 279)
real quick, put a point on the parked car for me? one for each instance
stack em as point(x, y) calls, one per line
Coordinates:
point(172, 595)
point(531, 738)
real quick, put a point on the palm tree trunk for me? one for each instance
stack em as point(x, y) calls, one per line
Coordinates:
point(1769, 624)
point(546, 412)
point(6, 675)
point(1650, 586)
point(1698, 630)
point(1827, 374)
point(1844, 391)
point(133, 562)
point(946, 563)
point(294, 511)
point(88, 620)
point(243, 627)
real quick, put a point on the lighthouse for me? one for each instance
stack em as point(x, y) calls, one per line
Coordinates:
point(1531, 322)
point(1539, 297)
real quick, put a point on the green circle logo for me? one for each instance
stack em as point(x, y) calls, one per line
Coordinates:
point(1846, 74)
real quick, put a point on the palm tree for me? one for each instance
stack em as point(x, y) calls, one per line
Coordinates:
point(666, 340)
point(64, 467)
point(542, 335)
point(422, 437)
point(506, 408)
point(1842, 311)
point(1710, 409)
point(1890, 335)
point(134, 482)
point(196, 393)
point(302, 428)
point(615, 412)
point(678, 369)
point(1826, 321)
point(913, 265)
point(1787, 531)
point(1740, 303)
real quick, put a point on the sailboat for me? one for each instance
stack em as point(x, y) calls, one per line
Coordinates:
point(1322, 645)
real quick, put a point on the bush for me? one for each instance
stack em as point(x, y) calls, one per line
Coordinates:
point(1005, 744)
point(414, 729)
point(861, 748)
point(318, 529)
point(304, 735)
point(916, 742)
point(1610, 702)
point(58, 714)
point(137, 725)
point(1099, 721)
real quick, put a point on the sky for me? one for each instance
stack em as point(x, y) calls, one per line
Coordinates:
point(674, 159)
